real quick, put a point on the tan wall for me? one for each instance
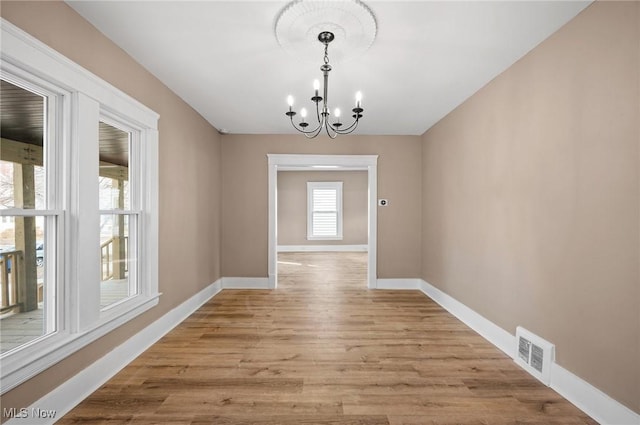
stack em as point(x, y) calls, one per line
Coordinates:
point(292, 206)
point(189, 178)
point(531, 198)
point(245, 197)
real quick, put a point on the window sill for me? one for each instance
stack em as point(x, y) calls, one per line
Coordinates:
point(21, 365)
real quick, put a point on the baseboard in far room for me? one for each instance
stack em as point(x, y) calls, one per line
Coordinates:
point(245, 283)
point(583, 395)
point(323, 248)
point(408, 283)
point(69, 394)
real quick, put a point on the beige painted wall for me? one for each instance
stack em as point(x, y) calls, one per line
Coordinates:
point(292, 206)
point(245, 200)
point(189, 178)
point(531, 198)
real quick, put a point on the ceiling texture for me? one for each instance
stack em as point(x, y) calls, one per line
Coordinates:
point(427, 57)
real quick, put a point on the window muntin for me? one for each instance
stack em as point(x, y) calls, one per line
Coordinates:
point(324, 218)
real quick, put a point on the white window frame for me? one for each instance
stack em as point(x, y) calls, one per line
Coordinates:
point(311, 186)
point(83, 98)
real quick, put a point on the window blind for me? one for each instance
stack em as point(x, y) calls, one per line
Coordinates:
point(325, 212)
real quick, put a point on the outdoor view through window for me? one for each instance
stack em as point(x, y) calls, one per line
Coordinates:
point(117, 277)
point(27, 309)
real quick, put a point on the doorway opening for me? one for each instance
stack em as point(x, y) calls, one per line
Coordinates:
point(368, 163)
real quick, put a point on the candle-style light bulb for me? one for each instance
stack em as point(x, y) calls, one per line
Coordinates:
point(358, 98)
point(337, 113)
point(303, 113)
point(290, 101)
point(316, 85)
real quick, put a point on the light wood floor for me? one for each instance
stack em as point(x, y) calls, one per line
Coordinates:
point(322, 349)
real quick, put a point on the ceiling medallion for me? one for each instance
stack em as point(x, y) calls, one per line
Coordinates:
point(351, 21)
point(353, 27)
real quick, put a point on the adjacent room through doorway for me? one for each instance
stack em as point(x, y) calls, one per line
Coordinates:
point(323, 203)
point(322, 217)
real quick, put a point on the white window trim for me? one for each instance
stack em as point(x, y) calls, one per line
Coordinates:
point(311, 186)
point(87, 96)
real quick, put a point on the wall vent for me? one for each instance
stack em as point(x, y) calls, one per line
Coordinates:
point(534, 354)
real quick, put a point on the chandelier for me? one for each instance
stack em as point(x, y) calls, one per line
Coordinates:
point(332, 126)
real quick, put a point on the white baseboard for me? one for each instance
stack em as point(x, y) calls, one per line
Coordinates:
point(399, 284)
point(322, 248)
point(583, 395)
point(245, 283)
point(591, 400)
point(73, 391)
point(487, 329)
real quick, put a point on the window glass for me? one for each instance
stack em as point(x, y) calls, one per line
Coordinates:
point(114, 167)
point(116, 257)
point(27, 311)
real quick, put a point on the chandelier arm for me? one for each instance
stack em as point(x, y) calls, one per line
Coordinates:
point(315, 133)
point(334, 129)
point(349, 129)
point(305, 131)
point(329, 128)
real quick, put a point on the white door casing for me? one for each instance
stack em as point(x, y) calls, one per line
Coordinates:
point(283, 162)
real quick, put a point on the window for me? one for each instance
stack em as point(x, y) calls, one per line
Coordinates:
point(78, 207)
point(118, 221)
point(30, 211)
point(324, 210)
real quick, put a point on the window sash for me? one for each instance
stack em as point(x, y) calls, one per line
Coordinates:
point(131, 257)
point(52, 314)
point(325, 200)
point(55, 109)
point(325, 223)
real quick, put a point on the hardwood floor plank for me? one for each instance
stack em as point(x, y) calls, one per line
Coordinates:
point(322, 349)
point(247, 405)
point(187, 384)
point(294, 420)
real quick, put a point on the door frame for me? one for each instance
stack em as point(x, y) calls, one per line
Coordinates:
point(305, 162)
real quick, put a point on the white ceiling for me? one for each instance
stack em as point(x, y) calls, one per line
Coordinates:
point(223, 59)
